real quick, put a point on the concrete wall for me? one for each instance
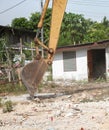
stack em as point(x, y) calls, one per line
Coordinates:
point(81, 62)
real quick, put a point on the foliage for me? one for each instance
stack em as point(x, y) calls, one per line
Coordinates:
point(96, 32)
point(0, 102)
point(14, 88)
point(2, 49)
point(75, 28)
point(30, 54)
point(7, 106)
point(105, 22)
point(6, 54)
point(20, 23)
point(33, 20)
point(46, 26)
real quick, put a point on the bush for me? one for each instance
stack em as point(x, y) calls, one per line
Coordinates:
point(0, 102)
point(7, 106)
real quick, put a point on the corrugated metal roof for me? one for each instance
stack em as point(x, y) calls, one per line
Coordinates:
point(93, 45)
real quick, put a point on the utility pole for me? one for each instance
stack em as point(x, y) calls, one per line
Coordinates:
point(42, 36)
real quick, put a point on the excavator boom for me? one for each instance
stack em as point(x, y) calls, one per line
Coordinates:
point(33, 72)
point(58, 10)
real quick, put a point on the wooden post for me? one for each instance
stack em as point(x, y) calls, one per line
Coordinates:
point(32, 51)
point(20, 46)
point(18, 70)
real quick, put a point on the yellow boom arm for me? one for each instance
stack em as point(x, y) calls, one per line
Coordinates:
point(33, 72)
point(58, 9)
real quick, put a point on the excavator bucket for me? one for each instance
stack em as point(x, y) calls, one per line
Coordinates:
point(32, 74)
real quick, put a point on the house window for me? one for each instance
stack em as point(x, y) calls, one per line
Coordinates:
point(69, 61)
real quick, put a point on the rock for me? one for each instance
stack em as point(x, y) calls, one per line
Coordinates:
point(51, 128)
point(57, 113)
point(69, 114)
point(37, 100)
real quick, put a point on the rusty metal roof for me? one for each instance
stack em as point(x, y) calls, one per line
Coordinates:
point(88, 46)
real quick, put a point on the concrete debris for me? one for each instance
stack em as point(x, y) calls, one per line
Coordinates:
point(82, 110)
point(60, 114)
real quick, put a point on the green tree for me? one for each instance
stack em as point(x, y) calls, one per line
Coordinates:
point(46, 25)
point(105, 22)
point(33, 20)
point(74, 28)
point(96, 32)
point(20, 23)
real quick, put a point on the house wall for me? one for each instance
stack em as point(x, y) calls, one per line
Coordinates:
point(82, 67)
point(81, 72)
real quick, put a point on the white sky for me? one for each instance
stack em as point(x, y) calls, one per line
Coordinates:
point(94, 9)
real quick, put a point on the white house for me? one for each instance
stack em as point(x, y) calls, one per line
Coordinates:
point(82, 62)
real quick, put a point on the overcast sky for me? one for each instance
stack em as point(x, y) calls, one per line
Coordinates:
point(10, 9)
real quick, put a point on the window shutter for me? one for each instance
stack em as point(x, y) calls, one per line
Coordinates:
point(69, 60)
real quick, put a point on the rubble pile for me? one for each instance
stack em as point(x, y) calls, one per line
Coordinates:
point(61, 113)
point(86, 108)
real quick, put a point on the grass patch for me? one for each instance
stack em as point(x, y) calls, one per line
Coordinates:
point(86, 100)
point(12, 88)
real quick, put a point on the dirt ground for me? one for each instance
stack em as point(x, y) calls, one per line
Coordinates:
point(75, 106)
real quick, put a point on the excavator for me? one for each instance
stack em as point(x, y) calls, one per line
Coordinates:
point(33, 72)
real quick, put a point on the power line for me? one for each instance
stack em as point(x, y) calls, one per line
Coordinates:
point(88, 1)
point(88, 13)
point(6, 10)
point(89, 4)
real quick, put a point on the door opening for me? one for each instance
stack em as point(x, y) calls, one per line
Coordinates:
point(96, 64)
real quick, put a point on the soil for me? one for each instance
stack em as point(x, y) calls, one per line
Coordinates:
point(75, 106)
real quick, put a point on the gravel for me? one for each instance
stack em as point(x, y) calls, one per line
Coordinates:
point(61, 113)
